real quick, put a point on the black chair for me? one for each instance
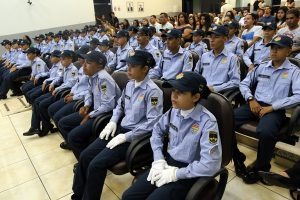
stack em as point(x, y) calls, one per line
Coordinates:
point(207, 42)
point(78, 105)
point(62, 93)
point(195, 59)
point(205, 187)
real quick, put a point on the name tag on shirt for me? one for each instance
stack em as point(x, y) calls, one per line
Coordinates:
point(167, 58)
point(172, 126)
point(205, 64)
point(263, 76)
point(127, 97)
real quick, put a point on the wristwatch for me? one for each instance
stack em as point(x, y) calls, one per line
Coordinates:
point(250, 98)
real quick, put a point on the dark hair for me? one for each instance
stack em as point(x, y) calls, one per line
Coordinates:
point(194, 22)
point(293, 11)
point(185, 16)
point(154, 16)
point(127, 23)
point(254, 17)
point(164, 14)
point(137, 22)
point(290, 1)
point(207, 24)
point(231, 14)
point(284, 9)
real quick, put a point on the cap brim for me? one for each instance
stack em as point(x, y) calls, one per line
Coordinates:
point(265, 27)
point(176, 85)
point(275, 43)
point(215, 32)
point(131, 61)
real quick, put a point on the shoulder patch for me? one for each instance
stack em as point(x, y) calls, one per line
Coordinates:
point(154, 101)
point(103, 88)
point(213, 137)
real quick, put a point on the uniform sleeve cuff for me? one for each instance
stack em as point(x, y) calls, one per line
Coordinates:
point(180, 173)
point(276, 106)
point(128, 136)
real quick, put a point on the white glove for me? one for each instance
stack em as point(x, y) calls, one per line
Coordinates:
point(157, 166)
point(119, 139)
point(110, 128)
point(166, 176)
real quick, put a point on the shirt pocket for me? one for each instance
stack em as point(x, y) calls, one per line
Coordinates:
point(139, 109)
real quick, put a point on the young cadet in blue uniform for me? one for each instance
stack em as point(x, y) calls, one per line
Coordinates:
point(104, 48)
point(219, 66)
point(21, 68)
point(142, 104)
point(83, 38)
point(277, 85)
point(175, 59)
point(7, 54)
point(66, 79)
point(259, 51)
point(197, 45)
point(234, 44)
point(64, 106)
point(132, 30)
point(154, 40)
point(193, 150)
point(50, 75)
point(144, 44)
point(103, 93)
point(102, 35)
point(56, 43)
point(38, 67)
point(122, 53)
point(94, 44)
point(67, 42)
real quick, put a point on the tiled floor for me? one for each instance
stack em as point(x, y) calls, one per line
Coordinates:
point(36, 168)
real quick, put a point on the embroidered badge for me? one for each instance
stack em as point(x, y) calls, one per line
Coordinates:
point(179, 76)
point(278, 38)
point(154, 101)
point(195, 128)
point(213, 137)
point(285, 75)
point(224, 60)
point(140, 98)
point(103, 88)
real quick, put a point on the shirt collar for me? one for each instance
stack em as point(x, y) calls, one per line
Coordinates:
point(224, 52)
point(285, 65)
point(144, 83)
point(195, 114)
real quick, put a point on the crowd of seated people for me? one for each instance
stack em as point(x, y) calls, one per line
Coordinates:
point(194, 54)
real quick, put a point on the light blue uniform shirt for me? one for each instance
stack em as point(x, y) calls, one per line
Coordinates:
point(261, 53)
point(104, 37)
point(103, 92)
point(121, 54)
point(153, 50)
point(80, 89)
point(190, 141)
point(14, 55)
point(83, 41)
point(56, 46)
point(109, 55)
point(221, 71)
point(235, 45)
point(200, 48)
point(274, 85)
point(133, 42)
point(68, 78)
point(38, 67)
point(55, 71)
point(154, 41)
point(142, 107)
point(6, 55)
point(23, 61)
point(172, 64)
point(68, 45)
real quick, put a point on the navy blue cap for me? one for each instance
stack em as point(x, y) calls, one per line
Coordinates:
point(82, 50)
point(67, 53)
point(77, 31)
point(189, 81)
point(95, 56)
point(219, 30)
point(140, 58)
point(174, 33)
point(133, 28)
point(122, 33)
point(50, 34)
point(32, 50)
point(57, 35)
point(23, 42)
point(281, 40)
point(56, 53)
point(152, 29)
point(101, 30)
point(144, 31)
point(5, 42)
point(198, 32)
point(15, 41)
point(269, 25)
point(94, 41)
point(66, 32)
point(105, 43)
point(233, 24)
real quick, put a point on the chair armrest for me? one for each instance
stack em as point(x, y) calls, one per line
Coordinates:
point(78, 105)
point(229, 91)
point(62, 93)
point(202, 182)
point(294, 121)
point(100, 122)
point(139, 155)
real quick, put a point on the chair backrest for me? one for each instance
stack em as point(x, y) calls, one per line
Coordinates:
point(221, 108)
point(243, 69)
point(295, 61)
point(195, 59)
point(121, 79)
point(166, 95)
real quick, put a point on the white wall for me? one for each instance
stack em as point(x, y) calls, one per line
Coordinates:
point(17, 16)
point(151, 7)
